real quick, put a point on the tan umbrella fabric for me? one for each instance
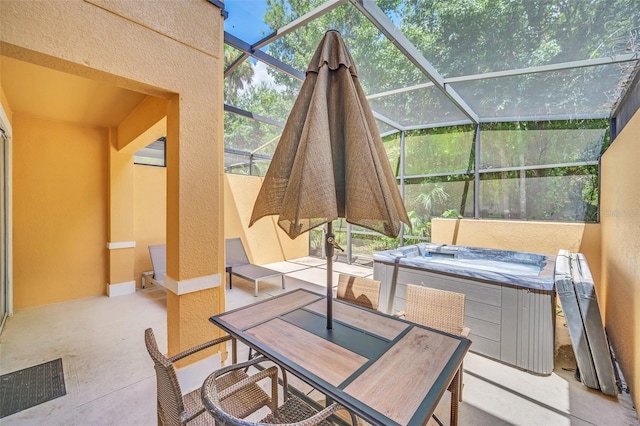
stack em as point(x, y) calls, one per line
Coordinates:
point(330, 161)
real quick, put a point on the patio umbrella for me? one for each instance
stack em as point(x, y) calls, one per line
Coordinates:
point(330, 162)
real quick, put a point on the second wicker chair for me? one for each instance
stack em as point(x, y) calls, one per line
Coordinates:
point(360, 291)
point(175, 409)
point(293, 412)
point(442, 310)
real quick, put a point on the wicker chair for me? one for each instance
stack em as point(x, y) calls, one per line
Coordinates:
point(293, 412)
point(442, 310)
point(360, 291)
point(174, 408)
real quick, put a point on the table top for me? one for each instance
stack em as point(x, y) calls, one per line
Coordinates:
point(386, 370)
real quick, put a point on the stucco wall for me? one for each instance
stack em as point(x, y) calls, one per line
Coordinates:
point(150, 213)
point(60, 211)
point(172, 50)
point(265, 242)
point(5, 105)
point(620, 211)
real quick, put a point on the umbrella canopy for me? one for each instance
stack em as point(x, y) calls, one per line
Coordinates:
point(330, 162)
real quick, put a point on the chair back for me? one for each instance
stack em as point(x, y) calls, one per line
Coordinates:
point(158, 255)
point(170, 402)
point(439, 309)
point(360, 291)
point(252, 391)
point(235, 254)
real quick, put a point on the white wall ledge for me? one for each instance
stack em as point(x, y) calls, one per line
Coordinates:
point(121, 245)
point(121, 289)
point(191, 285)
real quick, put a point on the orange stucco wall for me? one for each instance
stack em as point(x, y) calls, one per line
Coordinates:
point(265, 242)
point(60, 211)
point(5, 105)
point(620, 218)
point(171, 50)
point(150, 213)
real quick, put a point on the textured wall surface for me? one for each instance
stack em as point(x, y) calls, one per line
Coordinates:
point(170, 50)
point(620, 218)
point(150, 210)
point(59, 202)
point(265, 242)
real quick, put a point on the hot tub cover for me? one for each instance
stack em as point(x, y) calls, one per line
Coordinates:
point(531, 270)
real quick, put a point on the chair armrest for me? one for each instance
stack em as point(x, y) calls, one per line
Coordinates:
point(271, 372)
point(465, 332)
point(201, 347)
point(325, 413)
point(400, 314)
point(212, 397)
point(189, 415)
point(241, 365)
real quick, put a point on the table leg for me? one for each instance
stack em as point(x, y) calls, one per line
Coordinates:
point(455, 401)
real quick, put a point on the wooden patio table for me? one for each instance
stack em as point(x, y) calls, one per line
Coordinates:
point(386, 370)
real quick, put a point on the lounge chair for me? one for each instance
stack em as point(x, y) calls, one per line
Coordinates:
point(237, 263)
point(158, 255)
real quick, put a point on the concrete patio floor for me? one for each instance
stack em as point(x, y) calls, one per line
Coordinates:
point(110, 378)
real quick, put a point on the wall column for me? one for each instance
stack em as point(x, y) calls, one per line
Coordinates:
point(121, 243)
point(195, 239)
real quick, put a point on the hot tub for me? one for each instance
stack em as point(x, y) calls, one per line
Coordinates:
point(509, 296)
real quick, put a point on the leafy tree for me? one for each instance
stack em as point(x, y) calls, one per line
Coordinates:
point(433, 197)
point(462, 37)
point(239, 78)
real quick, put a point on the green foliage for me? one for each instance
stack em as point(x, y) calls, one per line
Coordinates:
point(539, 143)
point(443, 149)
point(245, 134)
point(379, 60)
point(392, 147)
point(452, 214)
point(368, 244)
point(506, 34)
point(316, 241)
point(433, 197)
point(420, 225)
point(551, 184)
point(239, 78)
point(528, 170)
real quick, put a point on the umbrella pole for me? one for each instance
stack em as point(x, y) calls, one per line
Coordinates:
point(329, 250)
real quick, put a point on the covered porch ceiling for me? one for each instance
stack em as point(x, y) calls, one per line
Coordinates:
point(55, 95)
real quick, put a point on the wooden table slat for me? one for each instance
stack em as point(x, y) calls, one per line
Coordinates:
point(397, 383)
point(328, 361)
point(364, 319)
point(263, 311)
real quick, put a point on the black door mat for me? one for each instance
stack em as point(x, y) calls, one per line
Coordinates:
point(31, 386)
